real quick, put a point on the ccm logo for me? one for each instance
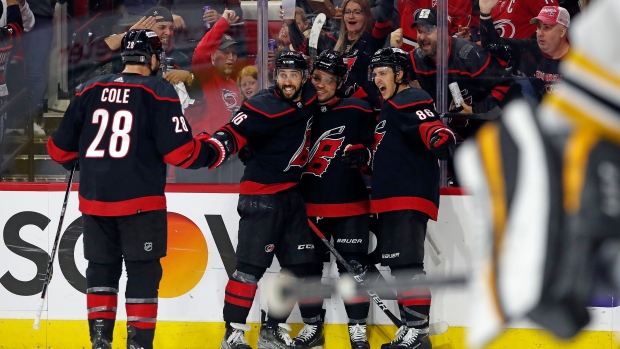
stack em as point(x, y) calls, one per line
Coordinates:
point(305, 247)
point(349, 241)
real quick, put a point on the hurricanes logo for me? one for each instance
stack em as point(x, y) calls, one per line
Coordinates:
point(324, 150)
point(269, 248)
point(300, 158)
point(505, 28)
point(379, 134)
point(230, 100)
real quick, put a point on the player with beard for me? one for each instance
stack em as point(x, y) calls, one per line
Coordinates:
point(409, 138)
point(335, 192)
point(124, 128)
point(274, 126)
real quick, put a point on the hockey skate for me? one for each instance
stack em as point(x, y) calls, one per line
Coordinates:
point(357, 335)
point(310, 336)
point(274, 337)
point(99, 340)
point(234, 338)
point(131, 334)
point(410, 338)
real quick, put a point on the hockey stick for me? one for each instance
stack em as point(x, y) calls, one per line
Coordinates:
point(49, 272)
point(396, 321)
point(313, 41)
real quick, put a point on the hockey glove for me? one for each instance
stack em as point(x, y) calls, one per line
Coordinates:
point(69, 165)
point(356, 156)
point(442, 143)
point(222, 144)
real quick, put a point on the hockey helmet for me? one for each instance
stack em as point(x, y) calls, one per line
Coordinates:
point(291, 60)
point(138, 46)
point(390, 57)
point(331, 62)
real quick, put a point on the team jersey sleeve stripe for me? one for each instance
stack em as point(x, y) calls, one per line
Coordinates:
point(427, 129)
point(240, 141)
point(59, 155)
point(184, 155)
point(428, 101)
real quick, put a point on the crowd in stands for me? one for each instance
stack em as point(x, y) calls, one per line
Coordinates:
point(498, 49)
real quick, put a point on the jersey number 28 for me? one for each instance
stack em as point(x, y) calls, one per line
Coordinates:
point(119, 140)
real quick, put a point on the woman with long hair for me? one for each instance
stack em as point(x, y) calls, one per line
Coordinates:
point(357, 41)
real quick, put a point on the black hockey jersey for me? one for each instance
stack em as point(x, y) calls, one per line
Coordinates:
point(405, 173)
point(277, 132)
point(125, 128)
point(330, 188)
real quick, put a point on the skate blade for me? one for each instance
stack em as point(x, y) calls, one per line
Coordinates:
point(439, 327)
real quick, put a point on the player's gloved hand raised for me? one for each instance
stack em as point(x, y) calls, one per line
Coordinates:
point(442, 143)
point(356, 156)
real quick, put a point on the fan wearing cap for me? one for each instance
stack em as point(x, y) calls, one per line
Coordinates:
point(160, 20)
point(483, 82)
point(213, 63)
point(459, 21)
point(536, 59)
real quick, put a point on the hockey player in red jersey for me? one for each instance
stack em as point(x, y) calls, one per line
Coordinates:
point(124, 128)
point(274, 126)
point(409, 138)
point(335, 194)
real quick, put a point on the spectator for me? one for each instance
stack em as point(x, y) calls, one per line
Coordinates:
point(37, 46)
point(248, 82)
point(541, 56)
point(357, 41)
point(196, 22)
point(459, 19)
point(512, 17)
point(302, 21)
point(27, 15)
point(482, 80)
point(10, 35)
point(213, 63)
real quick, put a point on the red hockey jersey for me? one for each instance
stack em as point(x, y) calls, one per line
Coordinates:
point(512, 17)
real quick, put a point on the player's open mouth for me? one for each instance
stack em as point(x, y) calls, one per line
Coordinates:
point(382, 88)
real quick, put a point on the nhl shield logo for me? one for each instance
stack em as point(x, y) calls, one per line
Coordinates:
point(299, 105)
point(323, 108)
point(148, 246)
point(269, 248)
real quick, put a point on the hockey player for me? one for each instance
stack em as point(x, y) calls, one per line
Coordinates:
point(124, 129)
point(409, 138)
point(274, 125)
point(336, 195)
point(548, 186)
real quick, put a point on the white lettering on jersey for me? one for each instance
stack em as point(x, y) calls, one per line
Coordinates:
point(115, 95)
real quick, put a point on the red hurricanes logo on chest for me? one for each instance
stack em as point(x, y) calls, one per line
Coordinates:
point(324, 150)
point(379, 134)
point(300, 158)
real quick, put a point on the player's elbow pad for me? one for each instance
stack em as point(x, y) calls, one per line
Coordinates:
point(222, 144)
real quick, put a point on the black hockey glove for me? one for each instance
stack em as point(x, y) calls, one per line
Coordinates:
point(356, 156)
point(442, 143)
point(221, 143)
point(69, 165)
